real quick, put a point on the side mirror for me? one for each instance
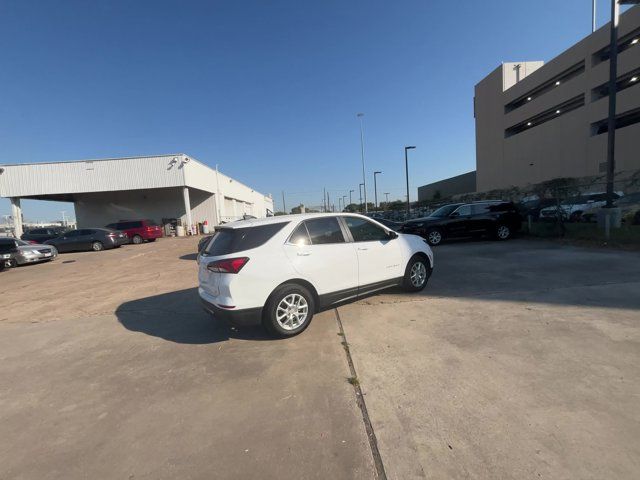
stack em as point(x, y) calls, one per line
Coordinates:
point(392, 235)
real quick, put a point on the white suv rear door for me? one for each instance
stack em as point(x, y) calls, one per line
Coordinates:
point(379, 256)
point(319, 252)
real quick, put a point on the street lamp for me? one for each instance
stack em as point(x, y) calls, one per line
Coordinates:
point(613, 73)
point(360, 187)
point(375, 189)
point(364, 178)
point(350, 192)
point(406, 170)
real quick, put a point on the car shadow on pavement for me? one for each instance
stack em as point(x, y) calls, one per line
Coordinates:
point(532, 272)
point(178, 317)
point(189, 256)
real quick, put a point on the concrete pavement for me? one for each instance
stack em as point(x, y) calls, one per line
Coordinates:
point(155, 388)
point(519, 360)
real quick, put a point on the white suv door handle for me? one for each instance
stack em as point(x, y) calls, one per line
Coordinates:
point(363, 248)
point(304, 254)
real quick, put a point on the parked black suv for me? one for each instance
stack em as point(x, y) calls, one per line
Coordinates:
point(495, 218)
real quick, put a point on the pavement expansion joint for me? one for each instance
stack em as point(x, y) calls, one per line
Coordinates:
point(353, 380)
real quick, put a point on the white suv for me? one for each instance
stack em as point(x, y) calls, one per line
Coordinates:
point(279, 271)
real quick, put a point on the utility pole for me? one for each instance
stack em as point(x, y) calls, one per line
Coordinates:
point(406, 169)
point(328, 201)
point(364, 177)
point(64, 220)
point(375, 189)
point(350, 201)
point(324, 198)
point(344, 202)
point(386, 194)
point(284, 205)
point(360, 187)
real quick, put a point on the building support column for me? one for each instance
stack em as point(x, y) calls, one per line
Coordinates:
point(16, 213)
point(187, 209)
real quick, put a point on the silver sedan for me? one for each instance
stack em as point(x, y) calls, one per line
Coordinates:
point(34, 252)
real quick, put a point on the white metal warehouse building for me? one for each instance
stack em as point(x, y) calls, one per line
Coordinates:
point(155, 187)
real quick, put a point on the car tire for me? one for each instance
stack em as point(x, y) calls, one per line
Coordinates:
point(503, 232)
point(284, 308)
point(434, 236)
point(137, 240)
point(417, 274)
point(97, 246)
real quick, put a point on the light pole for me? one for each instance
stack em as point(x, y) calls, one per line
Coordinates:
point(344, 202)
point(350, 192)
point(364, 178)
point(386, 194)
point(613, 73)
point(360, 187)
point(339, 203)
point(375, 189)
point(406, 170)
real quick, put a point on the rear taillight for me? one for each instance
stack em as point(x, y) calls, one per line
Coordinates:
point(228, 265)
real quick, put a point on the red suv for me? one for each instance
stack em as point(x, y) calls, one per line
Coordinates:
point(138, 230)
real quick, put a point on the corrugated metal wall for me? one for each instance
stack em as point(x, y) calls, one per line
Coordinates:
point(131, 174)
point(90, 176)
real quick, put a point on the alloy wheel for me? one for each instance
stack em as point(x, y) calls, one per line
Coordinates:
point(503, 232)
point(435, 237)
point(292, 311)
point(418, 274)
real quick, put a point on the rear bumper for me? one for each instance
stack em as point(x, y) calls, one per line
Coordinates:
point(118, 242)
point(242, 318)
point(151, 235)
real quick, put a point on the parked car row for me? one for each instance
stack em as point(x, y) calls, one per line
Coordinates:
point(44, 244)
point(574, 208)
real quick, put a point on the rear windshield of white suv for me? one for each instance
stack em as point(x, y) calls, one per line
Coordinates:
point(231, 240)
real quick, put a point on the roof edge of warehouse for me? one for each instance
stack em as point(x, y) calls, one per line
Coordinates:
point(133, 157)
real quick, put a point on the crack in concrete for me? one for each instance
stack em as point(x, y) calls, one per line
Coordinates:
point(371, 435)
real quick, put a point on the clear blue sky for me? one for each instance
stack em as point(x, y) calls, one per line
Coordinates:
point(267, 89)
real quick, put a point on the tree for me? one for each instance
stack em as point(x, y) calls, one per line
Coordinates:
point(352, 208)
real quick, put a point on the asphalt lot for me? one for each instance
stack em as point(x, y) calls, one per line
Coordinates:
point(519, 360)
